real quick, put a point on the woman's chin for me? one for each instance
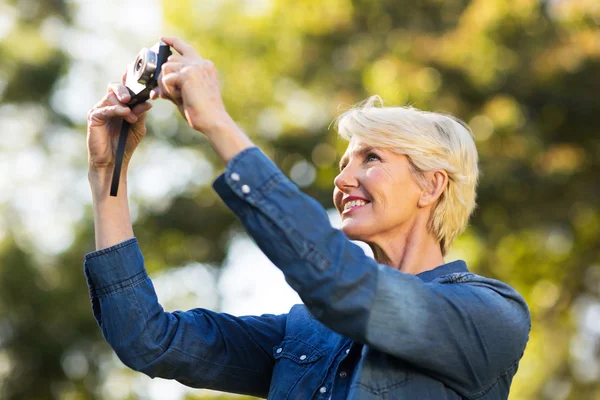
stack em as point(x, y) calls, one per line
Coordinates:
point(353, 232)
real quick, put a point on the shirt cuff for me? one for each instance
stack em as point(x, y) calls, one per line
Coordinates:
point(249, 176)
point(114, 268)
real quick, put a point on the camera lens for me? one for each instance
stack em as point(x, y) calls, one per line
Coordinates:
point(139, 64)
point(145, 66)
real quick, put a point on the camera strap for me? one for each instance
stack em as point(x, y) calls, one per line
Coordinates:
point(120, 154)
point(114, 186)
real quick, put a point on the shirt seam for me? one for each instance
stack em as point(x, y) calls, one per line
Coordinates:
point(238, 158)
point(122, 285)
point(268, 185)
point(487, 389)
point(177, 349)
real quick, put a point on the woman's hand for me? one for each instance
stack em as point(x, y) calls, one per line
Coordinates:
point(104, 126)
point(112, 222)
point(192, 83)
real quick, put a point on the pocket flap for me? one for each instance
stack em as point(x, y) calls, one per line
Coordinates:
point(297, 351)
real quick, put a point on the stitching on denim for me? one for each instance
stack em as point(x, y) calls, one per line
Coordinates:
point(123, 285)
point(269, 184)
point(384, 389)
point(240, 156)
point(491, 386)
point(455, 277)
point(146, 330)
point(226, 366)
point(296, 339)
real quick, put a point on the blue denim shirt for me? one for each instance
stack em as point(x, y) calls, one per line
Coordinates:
point(366, 331)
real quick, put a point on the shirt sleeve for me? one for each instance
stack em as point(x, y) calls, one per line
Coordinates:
point(466, 330)
point(199, 347)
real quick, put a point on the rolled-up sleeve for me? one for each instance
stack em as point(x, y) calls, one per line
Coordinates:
point(199, 347)
point(466, 331)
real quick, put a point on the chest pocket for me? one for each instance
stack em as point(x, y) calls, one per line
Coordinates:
point(295, 375)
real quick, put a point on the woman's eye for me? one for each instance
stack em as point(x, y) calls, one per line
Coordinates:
point(372, 157)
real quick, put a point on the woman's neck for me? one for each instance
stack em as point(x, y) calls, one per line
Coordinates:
point(413, 251)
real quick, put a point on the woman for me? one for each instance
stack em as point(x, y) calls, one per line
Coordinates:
point(403, 326)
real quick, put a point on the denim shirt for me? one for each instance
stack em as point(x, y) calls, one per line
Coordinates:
point(365, 331)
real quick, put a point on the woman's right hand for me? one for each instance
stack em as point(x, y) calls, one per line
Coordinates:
point(104, 125)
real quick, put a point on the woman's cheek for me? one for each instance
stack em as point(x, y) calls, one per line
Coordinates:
point(375, 179)
point(337, 198)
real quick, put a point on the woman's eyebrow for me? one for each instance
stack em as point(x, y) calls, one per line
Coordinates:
point(361, 151)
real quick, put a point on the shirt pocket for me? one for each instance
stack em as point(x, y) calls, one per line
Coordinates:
point(296, 374)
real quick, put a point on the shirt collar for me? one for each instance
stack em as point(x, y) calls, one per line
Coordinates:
point(449, 268)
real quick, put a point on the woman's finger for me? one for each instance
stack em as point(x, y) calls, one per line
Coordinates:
point(120, 91)
point(169, 85)
point(170, 67)
point(181, 46)
point(155, 93)
point(101, 115)
point(109, 100)
point(142, 108)
point(175, 58)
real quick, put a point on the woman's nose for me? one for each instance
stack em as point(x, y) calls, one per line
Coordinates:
point(345, 179)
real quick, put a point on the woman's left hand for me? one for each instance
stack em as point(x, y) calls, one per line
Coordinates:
point(192, 83)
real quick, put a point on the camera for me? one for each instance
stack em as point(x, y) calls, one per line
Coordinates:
point(143, 73)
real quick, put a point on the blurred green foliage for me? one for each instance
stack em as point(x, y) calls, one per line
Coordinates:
point(525, 74)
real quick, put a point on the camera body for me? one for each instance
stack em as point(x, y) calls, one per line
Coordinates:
point(142, 75)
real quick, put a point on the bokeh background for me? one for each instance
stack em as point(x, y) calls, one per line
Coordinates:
point(525, 74)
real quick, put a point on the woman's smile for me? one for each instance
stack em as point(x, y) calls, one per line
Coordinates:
point(352, 203)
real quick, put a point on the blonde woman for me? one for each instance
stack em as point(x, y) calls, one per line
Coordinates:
point(405, 325)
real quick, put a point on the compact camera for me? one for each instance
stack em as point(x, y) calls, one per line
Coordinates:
point(142, 75)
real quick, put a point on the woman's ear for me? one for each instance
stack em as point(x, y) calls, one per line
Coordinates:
point(436, 184)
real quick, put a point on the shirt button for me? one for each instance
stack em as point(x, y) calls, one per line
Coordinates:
point(303, 357)
point(245, 189)
point(279, 350)
point(323, 389)
point(343, 374)
point(347, 351)
point(235, 177)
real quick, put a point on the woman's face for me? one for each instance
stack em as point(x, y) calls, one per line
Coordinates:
point(375, 193)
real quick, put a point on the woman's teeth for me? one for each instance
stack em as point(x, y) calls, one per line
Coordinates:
point(354, 203)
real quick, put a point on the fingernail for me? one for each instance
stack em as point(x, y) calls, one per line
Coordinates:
point(131, 118)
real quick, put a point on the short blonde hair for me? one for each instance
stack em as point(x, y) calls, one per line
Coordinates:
point(431, 141)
